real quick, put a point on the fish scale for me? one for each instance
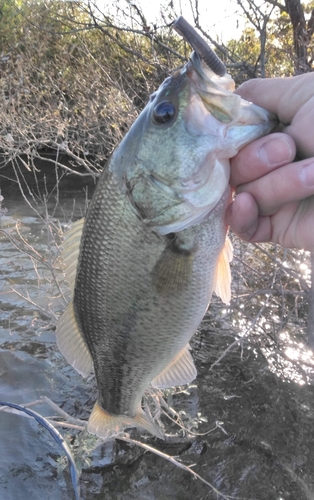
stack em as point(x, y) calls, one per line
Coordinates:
point(127, 308)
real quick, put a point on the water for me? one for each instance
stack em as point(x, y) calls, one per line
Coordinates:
point(261, 441)
point(30, 364)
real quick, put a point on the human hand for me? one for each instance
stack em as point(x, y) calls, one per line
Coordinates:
point(275, 198)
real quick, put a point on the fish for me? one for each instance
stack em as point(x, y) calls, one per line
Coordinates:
point(153, 247)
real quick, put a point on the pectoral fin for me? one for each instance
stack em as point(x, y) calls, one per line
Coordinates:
point(181, 371)
point(222, 279)
point(107, 426)
point(72, 344)
point(173, 270)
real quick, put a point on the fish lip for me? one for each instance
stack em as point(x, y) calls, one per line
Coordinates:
point(196, 62)
point(204, 72)
point(194, 65)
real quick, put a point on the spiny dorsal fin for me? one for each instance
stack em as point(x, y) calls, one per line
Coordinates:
point(108, 426)
point(222, 279)
point(180, 371)
point(70, 252)
point(72, 344)
point(173, 270)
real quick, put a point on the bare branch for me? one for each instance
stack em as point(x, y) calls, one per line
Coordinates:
point(187, 468)
point(280, 6)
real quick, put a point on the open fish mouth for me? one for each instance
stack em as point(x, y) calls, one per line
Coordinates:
point(214, 83)
point(217, 94)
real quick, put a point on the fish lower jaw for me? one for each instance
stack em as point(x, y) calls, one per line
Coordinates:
point(242, 134)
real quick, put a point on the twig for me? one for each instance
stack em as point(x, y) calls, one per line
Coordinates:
point(59, 410)
point(171, 459)
point(49, 314)
point(287, 270)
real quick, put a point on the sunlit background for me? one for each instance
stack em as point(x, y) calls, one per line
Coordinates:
point(73, 80)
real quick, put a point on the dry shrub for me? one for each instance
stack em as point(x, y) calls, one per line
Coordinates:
point(72, 85)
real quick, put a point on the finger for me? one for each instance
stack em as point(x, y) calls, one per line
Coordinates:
point(242, 216)
point(260, 157)
point(288, 184)
point(301, 129)
point(291, 226)
point(244, 220)
point(283, 96)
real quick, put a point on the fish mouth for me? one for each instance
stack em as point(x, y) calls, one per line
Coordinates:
point(215, 87)
point(199, 66)
point(221, 112)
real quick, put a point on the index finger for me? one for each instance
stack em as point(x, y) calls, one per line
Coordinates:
point(283, 96)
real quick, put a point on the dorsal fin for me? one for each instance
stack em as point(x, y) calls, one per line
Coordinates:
point(72, 343)
point(222, 278)
point(180, 371)
point(70, 251)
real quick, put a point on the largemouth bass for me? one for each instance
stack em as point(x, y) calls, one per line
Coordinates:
point(153, 246)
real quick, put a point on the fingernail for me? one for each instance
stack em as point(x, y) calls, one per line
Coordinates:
point(275, 152)
point(307, 174)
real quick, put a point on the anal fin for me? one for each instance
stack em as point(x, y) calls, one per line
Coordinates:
point(180, 371)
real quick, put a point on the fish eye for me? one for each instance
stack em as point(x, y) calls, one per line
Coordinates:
point(164, 112)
